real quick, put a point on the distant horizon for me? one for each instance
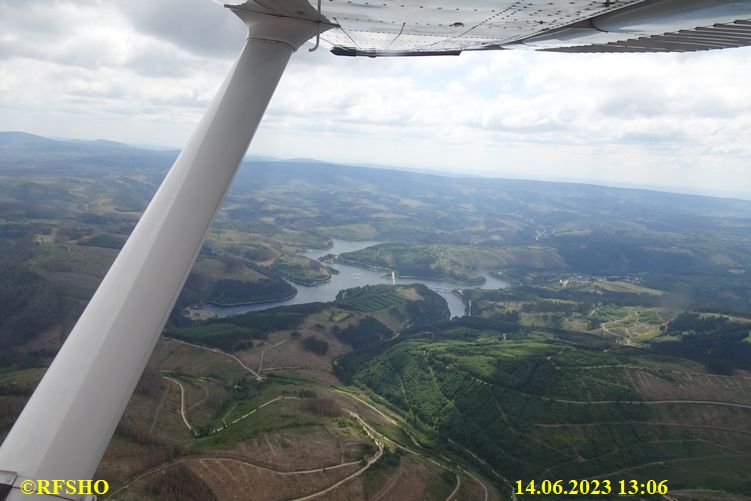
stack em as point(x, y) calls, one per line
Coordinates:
point(744, 196)
point(675, 122)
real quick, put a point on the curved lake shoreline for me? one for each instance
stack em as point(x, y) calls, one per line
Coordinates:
point(249, 303)
point(414, 278)
point(354, 276)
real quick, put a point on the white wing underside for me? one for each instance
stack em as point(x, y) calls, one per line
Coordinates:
point(424, 27)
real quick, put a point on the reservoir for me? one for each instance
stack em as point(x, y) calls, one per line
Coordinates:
point(352, 276)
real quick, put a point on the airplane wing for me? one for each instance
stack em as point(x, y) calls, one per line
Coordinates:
point(418, 27)
point(64, 429)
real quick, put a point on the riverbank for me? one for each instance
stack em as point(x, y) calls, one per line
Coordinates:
point(250, 303)
point(350, 276)
point(469, 283)
point(306, 283)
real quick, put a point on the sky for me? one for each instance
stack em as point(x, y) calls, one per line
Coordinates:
point(143, 71)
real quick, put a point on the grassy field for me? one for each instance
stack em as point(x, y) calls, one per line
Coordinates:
point(621, 286)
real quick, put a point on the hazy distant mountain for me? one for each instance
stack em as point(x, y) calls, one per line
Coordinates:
point(30, 151)
point(23, 151)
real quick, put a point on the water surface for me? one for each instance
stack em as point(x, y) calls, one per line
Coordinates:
point(353, 276)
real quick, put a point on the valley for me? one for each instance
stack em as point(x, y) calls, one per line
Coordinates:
point(597, 332)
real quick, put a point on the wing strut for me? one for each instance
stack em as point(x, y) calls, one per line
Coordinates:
point(67, 424)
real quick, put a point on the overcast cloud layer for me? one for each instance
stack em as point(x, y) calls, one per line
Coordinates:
point(142, 72)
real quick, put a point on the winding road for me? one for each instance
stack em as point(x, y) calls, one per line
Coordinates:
point(182, 402)
point(359, 472)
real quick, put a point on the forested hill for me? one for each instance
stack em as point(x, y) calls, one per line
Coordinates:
point(700, 245)
point(514, 192)
point(20, 151)
point(23, 150)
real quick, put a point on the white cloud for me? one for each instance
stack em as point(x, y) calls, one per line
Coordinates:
point(142, 71)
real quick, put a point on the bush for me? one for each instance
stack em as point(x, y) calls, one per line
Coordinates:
point(369, 330)
point(315, 345)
